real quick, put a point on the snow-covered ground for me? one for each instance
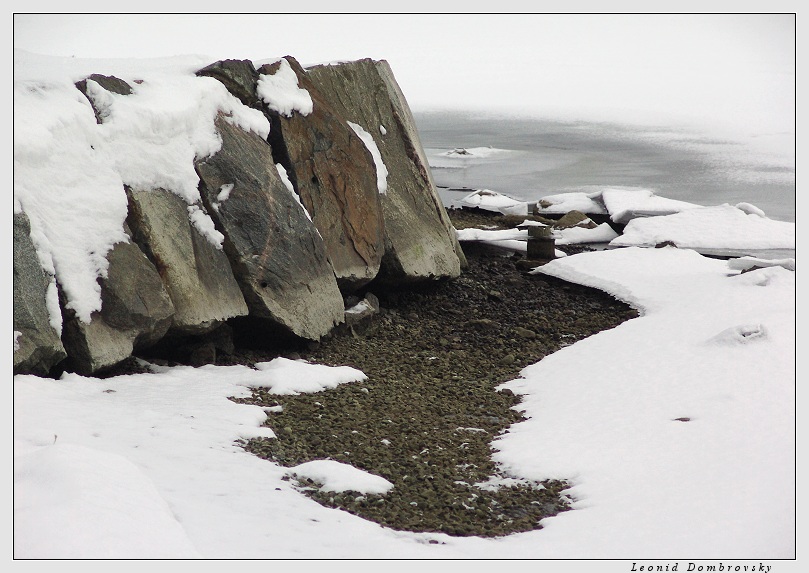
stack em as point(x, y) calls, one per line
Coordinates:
point(676, 429)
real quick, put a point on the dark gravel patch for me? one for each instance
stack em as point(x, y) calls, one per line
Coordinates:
point(427, 414)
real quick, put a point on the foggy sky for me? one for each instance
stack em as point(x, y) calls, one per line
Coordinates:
point(725, 68)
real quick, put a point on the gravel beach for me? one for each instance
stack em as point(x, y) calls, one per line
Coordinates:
point(426, 415)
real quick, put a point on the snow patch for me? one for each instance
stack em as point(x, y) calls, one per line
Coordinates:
point(282, 173)
point(52, 304)
point(285, 376)
point(747, 263)
point(99, 505)
point(224, 192)
point(205, 225)
point(750, 209)
point(603, 233)
point(721, 226)
point(337, 477)
point(370, 144)
point(281, 93)
point(742, 334)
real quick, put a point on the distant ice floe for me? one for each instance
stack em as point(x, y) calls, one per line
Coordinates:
point(462, 157)
point(474, 152)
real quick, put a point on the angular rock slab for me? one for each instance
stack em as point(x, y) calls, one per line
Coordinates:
point(420, 242)
point(196, 272)
point(335, 175)
point(276, 253)
point(37, 347)
point(136, 312)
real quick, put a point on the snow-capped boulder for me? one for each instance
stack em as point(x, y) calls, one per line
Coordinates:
point(162, 204)
point(276, 252)
point(575, 219)
point(37, 347)
point(420, 242)
point(196, 272)
point(238, 76)
point(330, 168)
point(136, 312)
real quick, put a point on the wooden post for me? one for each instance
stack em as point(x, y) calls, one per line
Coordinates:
point(541, 244)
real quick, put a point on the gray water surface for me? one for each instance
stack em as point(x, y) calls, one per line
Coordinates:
point(544, 157)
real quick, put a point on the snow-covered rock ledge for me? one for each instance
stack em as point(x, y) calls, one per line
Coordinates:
point(162, 198)
point(635, 217)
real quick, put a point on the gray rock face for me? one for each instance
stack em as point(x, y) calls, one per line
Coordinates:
point(335, 176)
point(136, 312)
point(238, 76)
point(420, 242)
point(196, 273)
point(37, 347)
point(276, 253)
point(574, 219)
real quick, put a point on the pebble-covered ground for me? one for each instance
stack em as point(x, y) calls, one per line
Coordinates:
point(426, 416)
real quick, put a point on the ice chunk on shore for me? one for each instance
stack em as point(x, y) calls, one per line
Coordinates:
point(489, 200)
point(578, 235)
point(719, 227)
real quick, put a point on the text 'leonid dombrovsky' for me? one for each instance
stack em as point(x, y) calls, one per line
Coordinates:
point(698, 567)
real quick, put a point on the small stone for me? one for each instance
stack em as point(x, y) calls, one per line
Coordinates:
point(508, 359)
point(484, 324)
point(525, 332)
point(372, 300)
point(202, 354)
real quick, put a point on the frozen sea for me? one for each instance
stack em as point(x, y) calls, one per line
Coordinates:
point(532, 158)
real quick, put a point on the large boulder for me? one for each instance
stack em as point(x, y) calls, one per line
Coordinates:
point(196, 271)
point(37, 347)
point(332, 170)
point(420, 242)
point(136, 312)
point(276, 252)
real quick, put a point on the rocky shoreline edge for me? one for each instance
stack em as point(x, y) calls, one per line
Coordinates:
point(427, 415)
